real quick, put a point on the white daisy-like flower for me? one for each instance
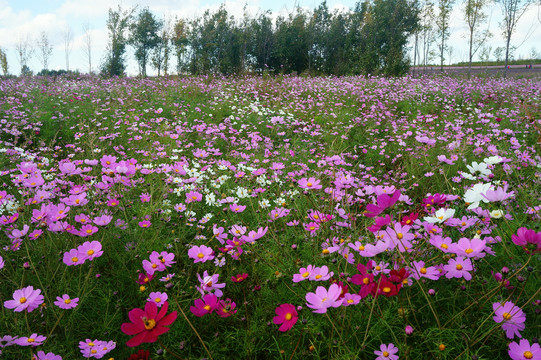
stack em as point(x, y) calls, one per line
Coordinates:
point(480, 168)
point(473, 196)
point(493, 160)
point(440, 216)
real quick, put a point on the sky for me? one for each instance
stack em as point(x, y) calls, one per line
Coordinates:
point(26, 19)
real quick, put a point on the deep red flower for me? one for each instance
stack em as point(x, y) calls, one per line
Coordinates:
point(239, 277)
point(409, 219)
point(387, 288)
point(148, 324)
point(141, 355)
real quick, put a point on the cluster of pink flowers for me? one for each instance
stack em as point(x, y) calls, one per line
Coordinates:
point(158, 262)
point(96, 348)
point(210, 303)
point(86, 251)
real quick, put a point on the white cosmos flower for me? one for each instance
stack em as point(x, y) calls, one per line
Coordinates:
point(473, 196)
point(480, 168)
point(493, 160)
point(496, 214)
point(440, 216)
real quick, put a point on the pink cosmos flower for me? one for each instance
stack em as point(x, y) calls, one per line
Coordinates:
point(237, 208)
point(1, 263)
point(239, 278)
point(254, 235)
point(25, 299)
point(384, 201)
point(193, 196)
point(49, 356)
point(303, 274)
point(112, 202)
point(323, 299)
point(310, 183)
point(458, 268)
point(512, 316)
point(524, 351)
point(73, 257)
point(157, 297)
point(144, 197)
point(103, 220)
point(351, 299)
point(420, 271)
point(201, 253)
point(147, 324)
point(89, 250)
point(386, 352)
point(35, 234)
point(469, 248)
point(209, 284)
point(32, 340)
point(65, 302)
point(278, 212)
point(321, 274)
point(204, 306)
point(87, 230)
point(286, 317)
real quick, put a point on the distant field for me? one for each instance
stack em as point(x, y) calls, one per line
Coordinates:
point(516, 71)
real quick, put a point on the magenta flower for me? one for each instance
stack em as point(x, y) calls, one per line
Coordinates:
point(25, 299)
point(147, 324)
point(512, 316)
point(144, 197)
point(458, 268)
point(310, 183)
point(225, 308)
point(384, 201)
point(524, 351)
point(386, 352)
point(158, 298)
point(35, 234)
point(145, 224)
point(65, 302)
point(204, 306)
point(323, 299)
point(528, 239)
point(286, 315)
point(32, 340)
point(1, 263)
point(201, 253)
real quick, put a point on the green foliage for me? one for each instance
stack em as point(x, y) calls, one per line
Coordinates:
point(144, 37)
point(117, 25)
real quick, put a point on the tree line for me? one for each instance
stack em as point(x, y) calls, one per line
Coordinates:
point(370, 38)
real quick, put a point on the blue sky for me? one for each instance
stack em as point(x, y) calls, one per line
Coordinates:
point(21, 19)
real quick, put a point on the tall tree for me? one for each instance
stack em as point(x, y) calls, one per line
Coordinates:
point(45, 49)
point(4, 62)
point(144, 37)
point(117, 26)
point(24, 51)
point(87, 48)
point(180, 42)
point(442, 22)
point(261, 41)
point(475, 16)
point(512, 12)
point(68, 38)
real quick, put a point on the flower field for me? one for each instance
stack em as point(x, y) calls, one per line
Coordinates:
point(270, 218)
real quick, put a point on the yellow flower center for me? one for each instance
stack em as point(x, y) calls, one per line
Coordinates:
point(423, 271)
point(91, 344)
point(468, 251)
point(444, 246)
point(528, 355)
point(506, 316)
point(288, 316)
point(194, 197)
point(309, 184)
point(378, 268)
point(77, 201)
point(386, 289)
point(463, 223)
point(67, 301)
point(325, 251)
point(22, 300)
point(206, 307)
point(90, 252)
point(366, 281)
point(318, 276)
point(361, 248)
point(440, 217)
point(93, 351)
point(209, 283)
point(350, 301)
point(31, 340)
point(200, 255)
point(158, 300)
point(458, 267)
point(149, 323)
point(154, 266)
point(305, 274)
point(399, 236)
point(74, 259)
point(385, 354)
